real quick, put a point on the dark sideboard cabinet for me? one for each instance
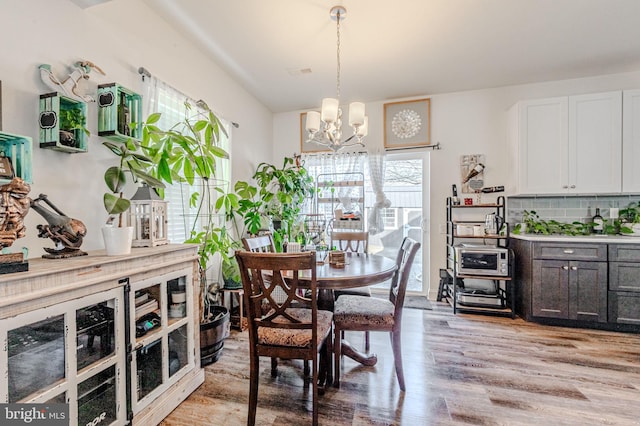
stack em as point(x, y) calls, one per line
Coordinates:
point(592, 285)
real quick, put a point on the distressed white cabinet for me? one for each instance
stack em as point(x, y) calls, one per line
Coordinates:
point(567, 145)
point(69, 330)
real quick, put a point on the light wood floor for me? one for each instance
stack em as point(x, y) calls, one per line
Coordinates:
point(463, 369)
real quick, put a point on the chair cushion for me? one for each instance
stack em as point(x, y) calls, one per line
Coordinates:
point(363, 311)
point(295, 338)
point(355, 291)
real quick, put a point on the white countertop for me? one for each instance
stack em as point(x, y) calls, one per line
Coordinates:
point(606, 239)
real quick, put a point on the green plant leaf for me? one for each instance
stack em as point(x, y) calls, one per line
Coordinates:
point(115, 179)
point(114, 204)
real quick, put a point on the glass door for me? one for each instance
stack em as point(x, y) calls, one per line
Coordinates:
point(407, 187)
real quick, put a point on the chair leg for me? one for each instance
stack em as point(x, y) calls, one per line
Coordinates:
point(306, 369)
point(366, 341)
point(337, 353)
point(314, 386)
point(329, 357)
point(274, 367)
point(254, 367)
point(397, 357)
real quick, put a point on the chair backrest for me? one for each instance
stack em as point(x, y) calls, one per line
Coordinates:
point(398, 288)
point(352, 241)
point(263, 243)
point(265, 310)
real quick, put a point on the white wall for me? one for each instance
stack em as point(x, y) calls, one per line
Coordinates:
point(473, 122)
point(119, 36)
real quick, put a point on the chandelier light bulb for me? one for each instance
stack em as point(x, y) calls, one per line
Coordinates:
point(363, 130)
point(356, 114)
point(313, 121)
point(329, 110)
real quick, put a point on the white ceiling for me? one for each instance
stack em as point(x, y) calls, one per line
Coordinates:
point(403, 48)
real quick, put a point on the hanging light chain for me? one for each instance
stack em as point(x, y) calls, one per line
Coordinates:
point(338, 55)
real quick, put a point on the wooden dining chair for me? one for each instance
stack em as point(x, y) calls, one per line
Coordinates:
point(260, 244)
point(374, 314)
point(279, 330)
point(355, 242)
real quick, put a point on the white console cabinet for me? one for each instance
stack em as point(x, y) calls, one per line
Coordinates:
point(115, 337)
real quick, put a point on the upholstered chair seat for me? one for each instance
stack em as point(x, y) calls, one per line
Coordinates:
point(357, 311)
point(295, 338)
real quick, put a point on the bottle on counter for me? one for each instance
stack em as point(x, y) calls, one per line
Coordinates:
point(123, 116)
point(285, 243)
point(454, 199)
point(598, 222)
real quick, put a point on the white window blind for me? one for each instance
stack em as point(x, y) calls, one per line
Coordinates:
point(170, 103)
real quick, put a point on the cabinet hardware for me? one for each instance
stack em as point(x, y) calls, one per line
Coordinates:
point(565, 186)
point(574, 268)
point(566, 268)
point(567, 251)
point(573, 186)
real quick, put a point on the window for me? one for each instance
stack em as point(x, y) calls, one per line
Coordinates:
point(170, 103)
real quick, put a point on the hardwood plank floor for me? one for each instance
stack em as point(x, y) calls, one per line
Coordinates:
point(462, 369)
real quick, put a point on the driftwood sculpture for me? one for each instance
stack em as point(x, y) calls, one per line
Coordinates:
point(69, 85)
point(66, 233)
point(14, 206)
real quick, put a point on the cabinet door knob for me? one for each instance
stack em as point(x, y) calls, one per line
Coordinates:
point(573, 186)
point(565, 186)
point(567, 251)
point(566, 268)
point(574, 268)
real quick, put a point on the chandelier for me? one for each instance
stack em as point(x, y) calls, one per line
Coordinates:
point(325, 127)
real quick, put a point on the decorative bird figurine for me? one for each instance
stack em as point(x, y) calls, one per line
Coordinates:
point(69, 86)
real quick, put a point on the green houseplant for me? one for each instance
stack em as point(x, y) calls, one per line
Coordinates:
point(186, 153)
point(133, 162)
point(72, 120)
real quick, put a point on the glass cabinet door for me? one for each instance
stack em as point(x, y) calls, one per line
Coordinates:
point(72, 352)
point(36, 353)
point(95, 333)
point(162, 323)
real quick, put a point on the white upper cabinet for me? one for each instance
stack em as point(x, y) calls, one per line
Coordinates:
point(567, 145)
point(541, 154)
point(631, 142)
point(595, 143)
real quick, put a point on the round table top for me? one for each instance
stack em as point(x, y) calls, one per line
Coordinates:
point(360, 270)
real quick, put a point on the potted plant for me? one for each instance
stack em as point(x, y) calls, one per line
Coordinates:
point(72, 121)
point(630, 219)
point(133, 162)
point(283, 192)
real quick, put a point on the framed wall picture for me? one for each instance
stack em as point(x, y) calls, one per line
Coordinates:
point(308, 147)
point(407, 124)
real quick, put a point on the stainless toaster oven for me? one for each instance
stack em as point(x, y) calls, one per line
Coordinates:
point(481, 260)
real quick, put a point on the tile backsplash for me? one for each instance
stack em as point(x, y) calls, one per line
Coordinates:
point(566, 209)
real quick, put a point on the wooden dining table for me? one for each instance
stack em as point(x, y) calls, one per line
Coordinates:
point(359, 270)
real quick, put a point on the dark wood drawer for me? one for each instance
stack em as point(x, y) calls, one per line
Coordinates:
point(570, 251)
point(624, 308)
point(624, 252)
point(624, 276)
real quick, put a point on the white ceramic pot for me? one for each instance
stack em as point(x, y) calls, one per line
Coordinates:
point(117, 241)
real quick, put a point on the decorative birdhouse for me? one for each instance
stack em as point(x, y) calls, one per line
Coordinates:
point(148, 217)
